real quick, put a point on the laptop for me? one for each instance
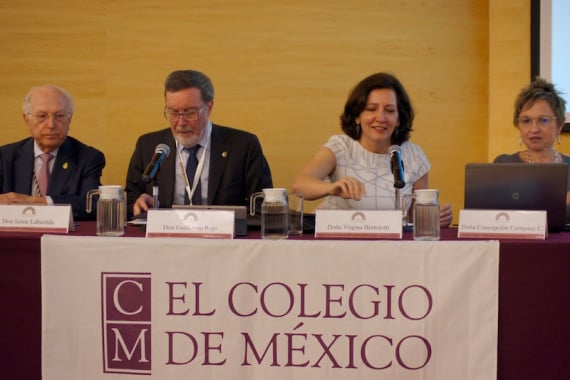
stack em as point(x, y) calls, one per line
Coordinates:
point(240, 221)
point(519, 187)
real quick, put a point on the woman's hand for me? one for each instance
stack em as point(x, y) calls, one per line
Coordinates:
point(445, 215)
point(348, 188)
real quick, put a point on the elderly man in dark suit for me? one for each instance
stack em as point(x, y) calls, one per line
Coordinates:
point(50, 167)
point(209, 164)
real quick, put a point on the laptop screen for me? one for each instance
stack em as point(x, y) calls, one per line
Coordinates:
point(518, 187)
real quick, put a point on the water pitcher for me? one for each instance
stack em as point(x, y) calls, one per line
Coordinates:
point(425, 214)
point(274, 213)
point(111, 210)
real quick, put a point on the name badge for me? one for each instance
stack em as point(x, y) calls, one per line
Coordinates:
point(55, 219)
point(358, 224)
point(502, 224)
point(211, 224)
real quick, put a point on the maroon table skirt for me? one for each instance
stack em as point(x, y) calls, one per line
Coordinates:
point(534, 286)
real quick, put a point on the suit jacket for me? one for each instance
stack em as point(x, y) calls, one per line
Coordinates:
point(76, 170)
point(238, 167)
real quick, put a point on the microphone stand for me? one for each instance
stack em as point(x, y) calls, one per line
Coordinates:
point(399, 206)
point(397, 200)
point(155, 191)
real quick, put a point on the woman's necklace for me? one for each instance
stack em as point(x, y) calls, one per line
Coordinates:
point(555, 154)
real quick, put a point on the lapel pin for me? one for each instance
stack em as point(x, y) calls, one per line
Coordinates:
point(224, 154)
point(65, 165)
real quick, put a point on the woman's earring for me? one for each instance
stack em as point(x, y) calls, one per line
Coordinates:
point(558, 139)
point(520, 141)
point(358, 130)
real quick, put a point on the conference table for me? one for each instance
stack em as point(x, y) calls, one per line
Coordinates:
point(533, 327)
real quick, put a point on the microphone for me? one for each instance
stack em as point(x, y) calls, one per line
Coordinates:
point(397, 166)
point(160, 153)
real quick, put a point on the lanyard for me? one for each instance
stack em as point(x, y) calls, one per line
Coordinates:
point(190, 190)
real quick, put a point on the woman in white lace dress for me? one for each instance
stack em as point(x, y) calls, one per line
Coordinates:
point(353, 170)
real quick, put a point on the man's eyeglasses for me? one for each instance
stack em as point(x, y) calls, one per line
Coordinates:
point(59, 117)
point(541, 121)
point(191, 115)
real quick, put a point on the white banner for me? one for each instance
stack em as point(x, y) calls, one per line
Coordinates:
point(119, 308)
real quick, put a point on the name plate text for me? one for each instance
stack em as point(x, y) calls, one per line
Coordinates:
point(55, 219)
point(212, 224)
point(358, 224)
point(502, 224)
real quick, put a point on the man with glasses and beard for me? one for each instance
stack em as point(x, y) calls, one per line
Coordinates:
point(208, 164)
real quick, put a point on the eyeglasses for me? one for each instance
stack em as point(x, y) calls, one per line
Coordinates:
point(59, 117)
point(191, 115)
point(541, 121)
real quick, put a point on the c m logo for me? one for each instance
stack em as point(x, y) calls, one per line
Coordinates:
point(126, 322)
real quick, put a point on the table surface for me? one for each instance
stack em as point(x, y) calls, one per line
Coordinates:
point(533, 328)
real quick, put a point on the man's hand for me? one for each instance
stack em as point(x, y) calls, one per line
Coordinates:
point(142, 204)
point(16, 198)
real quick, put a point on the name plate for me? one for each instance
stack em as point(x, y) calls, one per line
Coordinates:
point(56, 219)
point(358, 224)
point(503, 224)
point(211, 224)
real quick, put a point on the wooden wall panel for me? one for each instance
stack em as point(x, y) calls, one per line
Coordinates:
point(509, 71)
point(281, 69)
